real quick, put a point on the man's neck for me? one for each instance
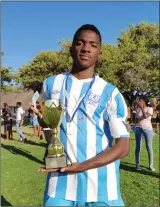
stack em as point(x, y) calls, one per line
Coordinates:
point(85, 74)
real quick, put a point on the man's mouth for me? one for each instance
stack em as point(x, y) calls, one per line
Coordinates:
point(84, 57)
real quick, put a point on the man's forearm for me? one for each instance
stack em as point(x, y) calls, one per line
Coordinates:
point(119, 150)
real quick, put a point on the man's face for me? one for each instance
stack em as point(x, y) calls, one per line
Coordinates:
point(86, 49)
point(17, 106)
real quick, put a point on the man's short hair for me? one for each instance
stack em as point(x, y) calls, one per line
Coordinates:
point(88, 27)
point(19, 103)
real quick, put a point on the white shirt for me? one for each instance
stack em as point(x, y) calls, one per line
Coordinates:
point(19, 113)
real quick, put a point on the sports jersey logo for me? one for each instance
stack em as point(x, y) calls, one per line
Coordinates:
point(55, 92)
point(93, 99)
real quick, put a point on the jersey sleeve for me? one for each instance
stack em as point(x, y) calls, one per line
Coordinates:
point(116, 114)
point(47, 88)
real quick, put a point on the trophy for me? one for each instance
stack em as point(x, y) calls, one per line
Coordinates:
point(53, 113)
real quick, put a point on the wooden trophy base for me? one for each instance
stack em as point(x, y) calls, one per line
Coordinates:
point(55, 162)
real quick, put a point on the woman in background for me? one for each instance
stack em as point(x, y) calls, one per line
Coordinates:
point(144, 129)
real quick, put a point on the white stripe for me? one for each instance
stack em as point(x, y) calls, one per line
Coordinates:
point(72, 138)
point(52, 184)
point(92, 185)
point(57, 86)
point(125, 107)
point(111, 182)
point(75, 91)
point(71, 191)
point(112, 105)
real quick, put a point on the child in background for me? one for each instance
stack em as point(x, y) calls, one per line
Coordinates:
point(36, 126)
point(9, 124)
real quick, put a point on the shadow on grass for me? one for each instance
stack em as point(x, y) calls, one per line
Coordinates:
point(37, 144)
point(127, 163)
point(4, 202)
point(19, 151)
point(125, 167)
point(3, 136)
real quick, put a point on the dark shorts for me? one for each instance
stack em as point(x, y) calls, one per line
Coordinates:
point(8, 127)
point(157, 119)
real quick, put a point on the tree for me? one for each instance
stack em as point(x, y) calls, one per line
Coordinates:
point(130, 65)
point(138, 67)
point(5, 74)
point(109, 63)
point(44, 65)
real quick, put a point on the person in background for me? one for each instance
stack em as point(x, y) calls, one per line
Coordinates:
point(158, 116)
point(134, 113)
point(19, 121)
point(36, 126)
point(144, 129)
point(39, 108)
point(35, 123)
point(6, 110)
point(9, 124)
point(29, 117)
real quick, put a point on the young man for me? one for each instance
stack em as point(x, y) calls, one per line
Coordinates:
point(6, 110)
point(95, 114)
point(19, 121)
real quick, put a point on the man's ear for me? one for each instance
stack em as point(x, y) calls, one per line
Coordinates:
point(71, 53)
point(99, 56)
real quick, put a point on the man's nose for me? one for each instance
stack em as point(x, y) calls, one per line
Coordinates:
point(85, 48)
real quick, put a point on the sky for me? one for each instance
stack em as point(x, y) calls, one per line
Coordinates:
point(31, 27)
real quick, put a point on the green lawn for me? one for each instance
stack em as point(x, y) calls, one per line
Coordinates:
point(22, 185)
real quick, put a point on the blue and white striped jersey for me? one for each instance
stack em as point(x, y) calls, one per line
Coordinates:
point(100, 117)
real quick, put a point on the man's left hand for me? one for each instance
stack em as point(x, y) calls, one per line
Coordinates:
point(74, 168)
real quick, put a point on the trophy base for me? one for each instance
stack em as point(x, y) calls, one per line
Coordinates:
point(55, 162)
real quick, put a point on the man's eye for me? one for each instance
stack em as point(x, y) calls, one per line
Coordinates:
point(94, 45)
point(78, 43)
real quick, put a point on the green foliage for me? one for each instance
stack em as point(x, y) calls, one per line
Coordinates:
point(45, 64)
point(5, 75)
point(129, 65)
point(108, 64)
point(138, 66)
point(12, 89)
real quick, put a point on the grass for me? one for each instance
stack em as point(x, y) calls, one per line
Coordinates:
point(22, 185)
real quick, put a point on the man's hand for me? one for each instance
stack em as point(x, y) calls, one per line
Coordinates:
point(141, 104)
point(74, 168)
point(21, 123)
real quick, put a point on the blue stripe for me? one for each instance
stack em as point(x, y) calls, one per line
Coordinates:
point(120, 106)
point(46, 197)
point(62, 177)
point(49, 86)
point(82, 145)
point(102, 171)
point(61, 186)
point(108, 133)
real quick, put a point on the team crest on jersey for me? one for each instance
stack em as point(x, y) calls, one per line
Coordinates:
point(93, 99)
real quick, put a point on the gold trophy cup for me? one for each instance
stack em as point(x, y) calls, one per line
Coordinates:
point(52, 115)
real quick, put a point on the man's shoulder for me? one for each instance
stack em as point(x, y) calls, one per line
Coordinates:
point(108, 86)
point(53, 77)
